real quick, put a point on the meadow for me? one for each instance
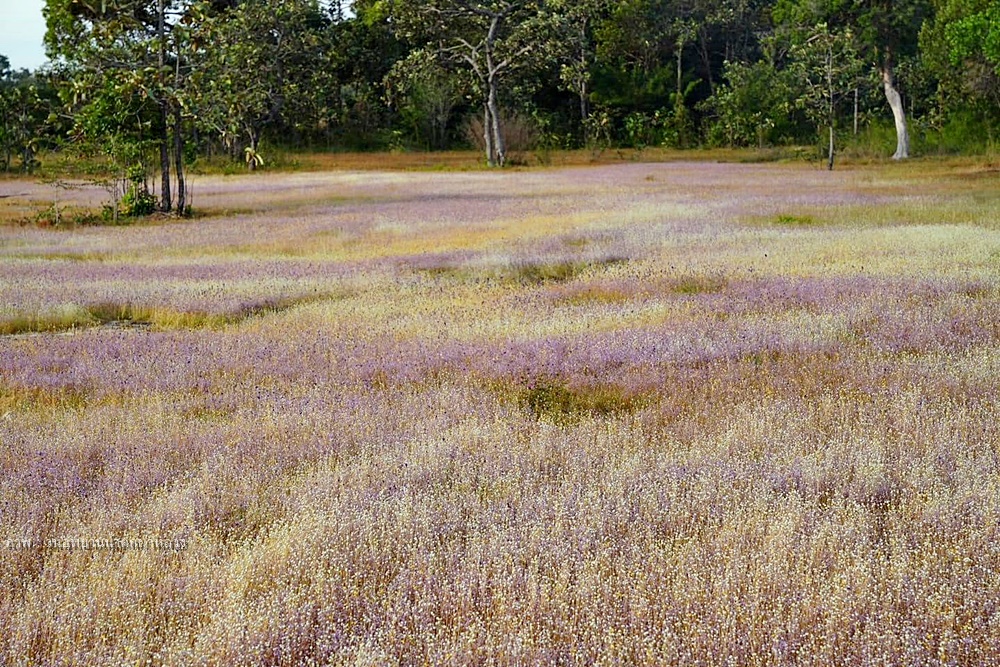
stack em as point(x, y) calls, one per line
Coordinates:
point(630, 414)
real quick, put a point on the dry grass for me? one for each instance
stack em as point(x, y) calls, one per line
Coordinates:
point(637, 414)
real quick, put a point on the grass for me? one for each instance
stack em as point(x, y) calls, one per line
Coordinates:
point(629, 413)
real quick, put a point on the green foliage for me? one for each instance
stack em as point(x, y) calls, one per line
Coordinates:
point(25, 102)
point(123, 84)
point(497, 45)
point(755, 106)
point(977, 34)
point(264, 59)
point(957, 49)
point(404, 74)
point(137, 202)
point(795, 220)
point(425, 94)
point(557, 401)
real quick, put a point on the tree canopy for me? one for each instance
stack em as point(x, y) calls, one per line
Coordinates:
point(157, 84)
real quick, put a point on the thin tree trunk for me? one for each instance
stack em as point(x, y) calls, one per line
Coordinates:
point(584, 88)
point(829, 84)
point(706, 61)
point(898, 113)
point(499, 153)
point(179, 163)
point(829, 161)
point(254, 145)
point(488, 135)
point(680, 73)
point(166, 201)
point(498, 139)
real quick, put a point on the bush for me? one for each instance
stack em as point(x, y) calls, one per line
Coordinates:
point(963, 132)
point(754, 107)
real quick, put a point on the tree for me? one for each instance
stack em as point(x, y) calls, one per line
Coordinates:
point(889, 30)
point(116, 50)
point(578, 24)
point(491, 39)
point(885, 30)
point(755, 106)
point(976, 35)
point(961, 48)
point(828, 66)
point(24, 108)
point(425, 94)
point(255, 59)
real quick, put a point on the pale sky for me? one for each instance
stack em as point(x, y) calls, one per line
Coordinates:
point(22, 29)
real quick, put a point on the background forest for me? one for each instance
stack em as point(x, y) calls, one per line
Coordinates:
point(154, 86)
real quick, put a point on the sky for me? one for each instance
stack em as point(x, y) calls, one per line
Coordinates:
point(21, 32)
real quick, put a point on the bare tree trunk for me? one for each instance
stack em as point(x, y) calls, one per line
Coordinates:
point(166, 201)
point(680, 72)
point(584, 88)
point(179, 163)
point(488, 135)
point(252, 157)
point(706, 60)
point(498, 139)
point(898, 113)
point(829, 161)
point(830, 95)
point(492, 69)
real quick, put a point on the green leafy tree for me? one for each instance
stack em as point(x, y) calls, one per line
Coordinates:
point(426, 95)
point(255, 61)
point(976, 35)
point(828, 66)
point(117, 54)
point(885, 32)
point(578, 23)
point(960, 46)
point(755, 106)
point(25, 100)
point(492, 40)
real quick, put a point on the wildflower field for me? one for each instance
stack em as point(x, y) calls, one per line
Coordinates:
point(634, 414)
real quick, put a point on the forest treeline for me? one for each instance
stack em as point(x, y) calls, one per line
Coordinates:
point(153, 85)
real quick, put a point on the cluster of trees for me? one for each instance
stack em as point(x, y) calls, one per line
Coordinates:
point(153, 83)
point(24, 100)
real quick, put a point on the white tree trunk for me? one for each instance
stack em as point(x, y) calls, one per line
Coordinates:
point(898, 113)
point(499, 145)
point(488, 135)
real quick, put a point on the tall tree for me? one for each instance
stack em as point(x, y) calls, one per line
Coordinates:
point(886, 30)
point(827, 64)
point(889, 30)
point(492, 39)
point(122, 49)
point(23, 112)
point(256, 59)
point(961, 47)
point(578, 24)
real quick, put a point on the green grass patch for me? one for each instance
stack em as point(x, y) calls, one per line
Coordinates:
point(693, 285)
point(62, 318)
point(794, 220)
point(596, 295)
point(527, 273)
point(559, 402)
point(131, 316)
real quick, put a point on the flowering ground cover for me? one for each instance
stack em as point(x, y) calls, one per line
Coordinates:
point(630, 414)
